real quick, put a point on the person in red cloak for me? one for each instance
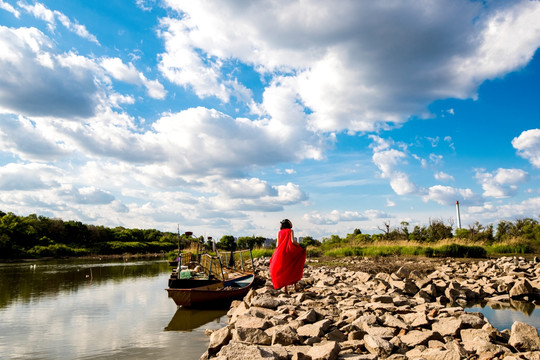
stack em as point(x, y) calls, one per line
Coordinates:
point(287, 262)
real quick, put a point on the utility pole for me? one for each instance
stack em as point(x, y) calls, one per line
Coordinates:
point(458, 216)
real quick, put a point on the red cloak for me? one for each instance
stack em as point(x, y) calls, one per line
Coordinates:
point(287, 262)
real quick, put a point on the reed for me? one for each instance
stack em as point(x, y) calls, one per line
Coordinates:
point(446, 250)
point(257, 253)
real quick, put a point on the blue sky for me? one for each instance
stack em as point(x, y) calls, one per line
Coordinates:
point(224, 117)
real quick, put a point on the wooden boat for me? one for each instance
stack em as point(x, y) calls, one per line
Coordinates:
point(208, 283)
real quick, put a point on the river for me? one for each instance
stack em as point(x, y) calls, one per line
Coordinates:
point(97, 309)
point(118, 309)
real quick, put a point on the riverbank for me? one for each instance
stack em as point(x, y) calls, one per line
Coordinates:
point(394, 308)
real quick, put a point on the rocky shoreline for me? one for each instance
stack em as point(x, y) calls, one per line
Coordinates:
point(398, 310)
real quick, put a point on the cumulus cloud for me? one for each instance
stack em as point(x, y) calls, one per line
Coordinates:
point(29, 140)
point(128, 73)
point(447, 195)
point(352, 74)
point(30, 176)
point(387, 160)
point(502, 182)
point(336, 216)
point(511, 211)
point(442, 176)
point(88, 195)
point(39, 83)
point(41, 12)
point(9, 8)
point(528, 146)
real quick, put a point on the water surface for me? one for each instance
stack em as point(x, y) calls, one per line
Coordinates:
point(96, 310)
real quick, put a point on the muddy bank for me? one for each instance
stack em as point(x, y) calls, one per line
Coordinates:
point(388, 308)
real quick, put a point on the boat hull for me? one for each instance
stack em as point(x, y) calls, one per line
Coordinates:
point(212, 295)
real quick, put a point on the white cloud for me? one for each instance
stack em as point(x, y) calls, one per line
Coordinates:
point(336, 216)
point(447, 195)
point(63, 86)
point(9, 8)
point(528, 146)
point(352, 73)
point(29, 140)
point(442, 176)
point(511, 211)
point(501, 183)
point(30, 176)
point(387, 160)
point(41, 12)
point(128, 73)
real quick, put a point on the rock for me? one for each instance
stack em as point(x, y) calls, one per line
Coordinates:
point(385, 299)
point(326, 351)
point(378, 346)
point(416, 319)
point(402, 272)
point(316, 329)
point(416, 337)
point(381, 331)
point(394, 322)
point(477, 340)
point(474, 320)
point(524, 337)
point(336, 335)
point(283, 335)
point(438, 354)
point(251, 322)
point(252, 336)
point(520, 289)
point(265, 302)
point(218, 339)
point(309, 316)
point(447, 327)
point(240, 351)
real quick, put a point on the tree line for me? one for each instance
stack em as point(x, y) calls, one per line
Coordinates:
point(35, 236)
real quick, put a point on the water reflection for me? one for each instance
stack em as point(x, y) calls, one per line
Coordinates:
point(189, 319)
point(55, 311)
point(29, 281)
point(502, 314)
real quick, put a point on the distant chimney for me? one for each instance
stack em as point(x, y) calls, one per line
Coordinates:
point(458, 216)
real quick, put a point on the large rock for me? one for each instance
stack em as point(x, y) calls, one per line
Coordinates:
point(478, 340)
point(524, 337)
point(251, 322)
point(284, 335)
point(378, 346)
point(314, 330)
point(520, 289)
point(265, 302)
point(240, 351)
point(251, 336)
point(309, 317)
point(416, 337)
point(433, 354)
point(447, 326)
point(326, 351)
point(218, 339)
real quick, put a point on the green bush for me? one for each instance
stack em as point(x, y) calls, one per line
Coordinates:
point(460, 251)
point(509, 249)
point(56, 250)
point(257, 253)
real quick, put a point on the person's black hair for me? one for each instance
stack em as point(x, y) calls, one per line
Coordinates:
point(286, 224)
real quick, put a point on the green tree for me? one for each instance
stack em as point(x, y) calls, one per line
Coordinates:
point(227, 242)
point(309, 241)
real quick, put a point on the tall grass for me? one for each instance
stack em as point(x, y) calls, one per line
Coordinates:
point(508, 249)
point(450, 250)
